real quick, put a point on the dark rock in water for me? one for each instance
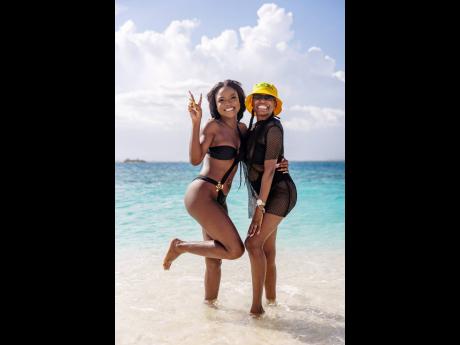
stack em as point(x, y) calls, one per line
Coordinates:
point(134, 161)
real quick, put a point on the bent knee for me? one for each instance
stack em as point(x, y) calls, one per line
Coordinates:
point(253, 244)
point(213, 264)
point(236, 253)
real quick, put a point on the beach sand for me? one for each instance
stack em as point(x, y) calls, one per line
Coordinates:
point(153, 306)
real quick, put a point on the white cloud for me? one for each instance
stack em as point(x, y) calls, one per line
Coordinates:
point(161, 106)
point(154, 71)
point(307, 118)
point(340, 75)
point(273, 27)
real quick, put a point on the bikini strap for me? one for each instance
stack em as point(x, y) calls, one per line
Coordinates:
point(220, 184)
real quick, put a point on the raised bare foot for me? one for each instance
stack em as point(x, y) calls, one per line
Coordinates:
point(172, 253)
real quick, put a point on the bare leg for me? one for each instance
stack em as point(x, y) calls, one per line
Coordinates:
point(225, 243)
point(270, 276)
point(258, 260)
point(211, 276)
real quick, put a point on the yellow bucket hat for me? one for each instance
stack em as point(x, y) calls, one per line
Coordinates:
point(267, 89)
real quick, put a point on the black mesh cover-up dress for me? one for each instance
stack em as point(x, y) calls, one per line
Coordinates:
point(265, 142)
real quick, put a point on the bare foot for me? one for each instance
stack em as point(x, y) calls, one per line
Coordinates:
point(272, 302)
point(172, 253)
point(257, 312)
point(211, 303)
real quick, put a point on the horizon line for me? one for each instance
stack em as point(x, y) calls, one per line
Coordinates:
point(293, 160)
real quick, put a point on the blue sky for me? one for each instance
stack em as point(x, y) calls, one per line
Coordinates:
point(165, 48)
point(318, 23)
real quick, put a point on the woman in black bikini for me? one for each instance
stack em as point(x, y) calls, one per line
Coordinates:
point(221, 146)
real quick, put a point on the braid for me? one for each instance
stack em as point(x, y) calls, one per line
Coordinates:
point(252, 119)
point(240, 163)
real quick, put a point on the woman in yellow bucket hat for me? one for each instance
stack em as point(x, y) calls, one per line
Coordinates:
point(261, 89)
point(274, 191)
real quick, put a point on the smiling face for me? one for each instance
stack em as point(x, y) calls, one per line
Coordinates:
point(263, 105)
point(228, 104)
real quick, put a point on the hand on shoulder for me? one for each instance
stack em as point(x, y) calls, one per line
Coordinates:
point(243, 128)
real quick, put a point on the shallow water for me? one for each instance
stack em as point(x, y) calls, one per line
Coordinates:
point(154, 306)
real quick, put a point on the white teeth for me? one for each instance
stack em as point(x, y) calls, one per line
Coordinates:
point(229, 109)
point(262, 107)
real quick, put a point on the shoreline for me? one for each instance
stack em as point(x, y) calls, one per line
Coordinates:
point(167, 306)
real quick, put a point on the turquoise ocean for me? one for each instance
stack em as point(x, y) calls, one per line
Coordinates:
point(165, 307)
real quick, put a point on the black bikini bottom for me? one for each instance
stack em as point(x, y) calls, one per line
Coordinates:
point(221, 197)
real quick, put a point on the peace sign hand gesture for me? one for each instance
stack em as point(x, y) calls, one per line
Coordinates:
point(195, 109)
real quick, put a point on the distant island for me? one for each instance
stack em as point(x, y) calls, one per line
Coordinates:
point(134, 161)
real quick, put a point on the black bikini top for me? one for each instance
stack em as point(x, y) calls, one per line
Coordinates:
point(228, 152)
point(222, 152)
point(225, 152)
